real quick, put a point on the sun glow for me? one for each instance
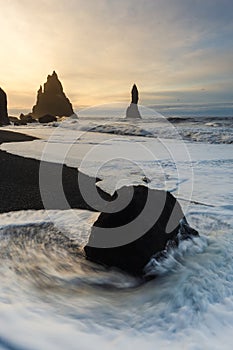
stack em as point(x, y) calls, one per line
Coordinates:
point(100, 49)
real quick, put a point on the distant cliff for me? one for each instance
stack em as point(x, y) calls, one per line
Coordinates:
point(52, 100)
point(4, 120)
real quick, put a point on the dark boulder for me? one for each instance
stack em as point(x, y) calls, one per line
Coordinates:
point(19, 122)
point(13, 119)
point(47, 118)
point(27, 118)
point(137, 223)
point(4, 120)
point(52, 99)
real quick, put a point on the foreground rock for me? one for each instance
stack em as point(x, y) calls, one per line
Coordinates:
point(133, 111)
point(128, 237)
point(4, 120)
point(52, 100)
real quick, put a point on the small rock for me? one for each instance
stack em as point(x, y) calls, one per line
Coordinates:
point(47, 118)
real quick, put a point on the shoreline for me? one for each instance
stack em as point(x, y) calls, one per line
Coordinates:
point(20, 187)
point(7, 136)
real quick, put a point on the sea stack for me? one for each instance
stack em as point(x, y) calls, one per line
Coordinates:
point(4, 120)
point(132, 111)
point(52, 99)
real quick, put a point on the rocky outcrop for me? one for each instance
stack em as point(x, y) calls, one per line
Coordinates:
point(4, 120)
point(13, 119)
point(52, 99)
point(134, 94)
point(27, 118)
point(17, 122)
point(133, 111)
point(126, 236)
point(47, 118)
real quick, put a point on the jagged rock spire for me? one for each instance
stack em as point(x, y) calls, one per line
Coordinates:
point(52, 99)
point(133, 111)
point(134, 94)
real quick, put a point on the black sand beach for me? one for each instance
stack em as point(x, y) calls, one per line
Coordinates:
point(19, 181)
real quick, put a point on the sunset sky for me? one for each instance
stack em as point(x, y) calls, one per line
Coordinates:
point(175, 50)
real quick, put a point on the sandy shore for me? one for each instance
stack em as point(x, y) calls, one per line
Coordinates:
point(19, 181)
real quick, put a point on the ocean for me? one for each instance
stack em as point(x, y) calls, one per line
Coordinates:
point(52, 298)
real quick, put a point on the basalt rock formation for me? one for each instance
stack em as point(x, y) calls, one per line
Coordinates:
point(4, 120)
point(47, 118)
point(27, 118)
point(52, 99)
point(132, 111)
point(127, 236)
point(134, 94)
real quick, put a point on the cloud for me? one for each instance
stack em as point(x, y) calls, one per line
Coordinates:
point(100, 48)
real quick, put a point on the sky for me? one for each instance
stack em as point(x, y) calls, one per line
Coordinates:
point(174, 50)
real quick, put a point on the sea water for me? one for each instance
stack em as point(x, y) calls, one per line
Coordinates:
point(52, 298)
